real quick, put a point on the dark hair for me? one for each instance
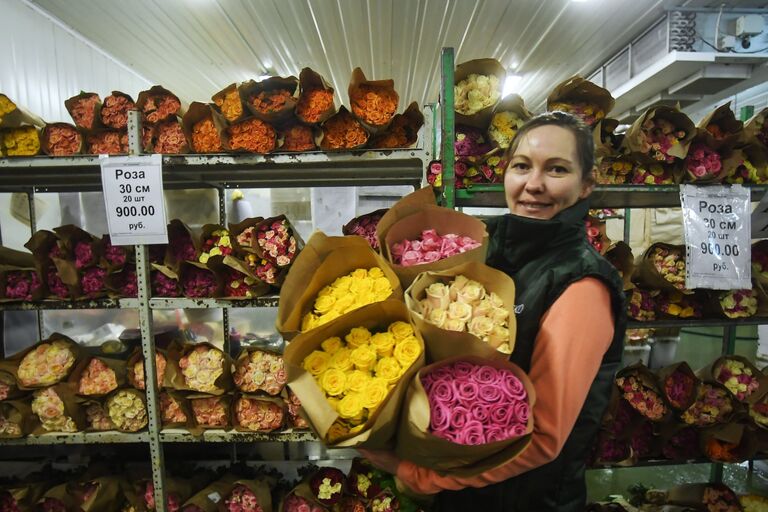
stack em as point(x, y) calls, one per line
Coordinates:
point(585, 145)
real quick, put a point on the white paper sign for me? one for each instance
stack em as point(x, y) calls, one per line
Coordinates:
point(717, 237)
point(133, 196)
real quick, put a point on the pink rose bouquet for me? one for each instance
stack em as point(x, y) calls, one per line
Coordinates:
point(8, 503)
point(652, 174)
point(116, 255)
point(170, 138)
point(712, 406)
point(55, 284)
point(295, 503)
point(84, 255)
point(114, 111)
point(293, 404)
point(97, 417)
point(595, 234)
point(21, 284)
point(642, 441)
point(217, 243)
point(431, 247)
point(435, 174)
point(126, 282)
point(258, 415)
point(49, 407)
point(164, 286)
point(641, 305)
point(658, 136)
point(210, 412)
point(51, 505)
point(703, 162)
point(47, 364)
point(365, 226)
point(470, 142)
point(670, 264)
point(170, 409)
point(174, 500)
point(93, 281)
point(679, 387)
point(684, 444)
point(277, 242)
point(242, 499)
point(198, 282)
point(739, 378)
point(135, 372)
point(97, 379)
point(327, 485)
point(642, 395)
point(201, 367)
point(264, 269)
point(181, 245)
point(475, 404)
point(720, 498)
point(260, 371)
point(738, 303)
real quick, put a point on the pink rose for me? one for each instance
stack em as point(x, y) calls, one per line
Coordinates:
point(490, 394)
point(410, 258)
point(517, 430)
point(493, 434)
point(473, 433)
point(439, 417)
point(501, 415)
point(459, 417)
point(513, 387)
point(485, 374)
point(521, 412)
point(466, 390)
point(443, 391)
point(431, 256)
point(462, 369)
point(480, 412)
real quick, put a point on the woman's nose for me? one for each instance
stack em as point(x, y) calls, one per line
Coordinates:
point(535, 181)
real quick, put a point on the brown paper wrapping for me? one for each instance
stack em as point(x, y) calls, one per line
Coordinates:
point(302, 490)
point(60, 493)
point(38, 294)
point(105, 499)
point(356, 81)
point(218, 101)
point(343, 114)
point(707, 374)
point(198, 112)
point(243, 358)
point(11, 364)
point(19, 412)
point(85, 403)
point(197, 428)
point(444, 221)
point(170, 120)
point(156, 90)
point(692, 495)
point(415, 443)
point(70, 235)
point(644, 375)
point(408, 205)
point(310, 80)
point(577, 89)
point(257, 486)
point(236, 229)
point(606, 142)
point(346, 229)
point(25, 495)
point(322, 261)
point(184, 406)
point(381, 427)
point(228, 143)
point(261, 398)
point(757, 155)
point(486, 67)
point(736, 433)
point(70, 103)
point(176, 230)
point(45, 139)
point(8, 378)
point(512, 103)
point(140, 394)
point(220, 265)
point(136, 356)
point(173, 370)
point(209, 498)
point(442, 343)
point(619, 254)
point(406, 124)
point(615, 403)
point(116, 365)
point(251, 88)
point(662, 375)
point(293, 231)
point(647, 276)
point(752, 126)
point(630, 460)
point(18, 117)
point(116, 126)
point(724, 117)
point(72, 408)
point(632, 140)
point(40, 244)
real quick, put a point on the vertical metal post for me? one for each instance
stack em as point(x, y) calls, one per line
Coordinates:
point(147, 340)
point(729, 340)
point(627, 225)
point(447, 127)
point(222, 196)
point(33, 228)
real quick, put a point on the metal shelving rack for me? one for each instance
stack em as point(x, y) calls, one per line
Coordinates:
point(603, 196)
point(313, 169)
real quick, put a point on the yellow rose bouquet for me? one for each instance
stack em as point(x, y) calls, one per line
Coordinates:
point(351, 375)
point(202, 367)
point(229, 103)
point(477, 90)
point(21, 141)
point(128, 410)
point(331, 277)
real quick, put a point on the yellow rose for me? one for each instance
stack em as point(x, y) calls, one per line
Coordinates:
point(338, 293)
point(342, 283)
point(351, 408)
point(364, 358)
point(375, 393)
point(400, 330)
point(316, 363)
point(324, 304)
point(333, 382)
point(358, 337)
point(457, 284)
point(357, 381)
point(332, 345)
point(309, 322)
point(480, 326)
point(326, 290)
point(484, 308)
point(381, 284)
point(333, 402)
point(331, 315)
point(407, 351)
point(388, 369)
point(472, 293)
point(381, 295)
point(437, 296)
point(375, 273)
point(344, 303)
point(459, 311)
point(358, 274)
point(342, 360)
point(437, 317)
point(452, 324)
point(497, 337)
point(383, 343)
point(336, 432)
point(357, 428)
point(362, 286)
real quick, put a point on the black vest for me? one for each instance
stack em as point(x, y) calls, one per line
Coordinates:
point(544, 257)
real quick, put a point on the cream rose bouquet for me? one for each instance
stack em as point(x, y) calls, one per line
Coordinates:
point(49, 407)
point(201, 367)
point(127, 410)
point(258, 370)
point(475, 93)
point(46, 364)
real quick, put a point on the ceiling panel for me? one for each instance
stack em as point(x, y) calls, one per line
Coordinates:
point(196, 47)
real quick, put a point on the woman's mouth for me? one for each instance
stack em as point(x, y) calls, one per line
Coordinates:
point(533, 206)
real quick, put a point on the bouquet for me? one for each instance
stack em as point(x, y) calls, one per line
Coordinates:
point(83, 109)
point(171, 411)
point(49, 407)
point(205, 137)
point(327, 485)
point(180, 243)
point(164, 286)
point(596, 234)
point(616, 171)
point(170, 138)
point(315, 102)
point(216, 243)
point(97, 379)
point(158, 104)
point(174, 500)
point(738, 303)
point(431, 247)
point(61, 139)
point(21, 141)
point(230, 104)
point(345, 294)
point(472, 404)
point(608, 450)
point(48, 363)
point(271, 101)
point(257, 415)
point(125, 283)
point(295, 503)
point(22, 284)
point(677, 305)
point(252, 135)
point(402, 132)
point(638, 388)
point(97, 418)
point(718, 450)
point(114, 111)
point(739, 377)
point(197, 282)
point(116, 255)
point(7, 385)
point(107, 142)
point(712, 406)
point(93, 282)
point(464, 305)
point(365, 226)
point(210, 412)
point(719, 498)
point(642, 441)
point(343, 131)
point(127, 410)
point(680, 386)
point(470, 142)
point(258, 370)
point(264, 269)
point(658, 137)
point(11, 422)
point(652, 174)
point(435, 174)
point(136, 376)
point(641, 306)
point(703, 163)
point(55, 285)
point(682, 445)
point(475, 93)
point(242, 499)
point(293, 405)
point(277, 241)
point(201, 367)
point(240, 285)
point(669, 262)
point(587, 112)
point(504, 127)
point(298, 137)
point(373, 104)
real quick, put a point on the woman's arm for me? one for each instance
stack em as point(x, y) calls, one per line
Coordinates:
point(575, 333)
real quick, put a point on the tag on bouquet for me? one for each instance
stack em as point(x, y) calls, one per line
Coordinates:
point(717, 227)
point(133, 197)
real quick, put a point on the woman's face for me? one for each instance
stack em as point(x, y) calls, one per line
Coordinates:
point(544, 175)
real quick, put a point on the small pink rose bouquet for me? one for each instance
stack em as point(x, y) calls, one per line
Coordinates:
point(641, 305)
point(365, 226)
point(739, 378)
point(171, 410)
point(712, 406)
point(55, 285)
point(242, 499)
point(97, 417)
point(258, 415)
point(198, 282)
point(210, 412)
point(84, 254)
point(22, 284)
point(260, 371)
point(658, 137)
point(679, 387)
point(164, 286)
point(643, 395)
point(431, 247)
point(703, 163)
point(97, 379)
point(277, 241)
point(93, 281)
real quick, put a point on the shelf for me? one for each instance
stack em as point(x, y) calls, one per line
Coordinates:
point(231, 436)
point(313, 169)
point(68, 304)
point(665, 462)
point(604, 196)
point(269, 301)
point(111, 437)
point(701, 322)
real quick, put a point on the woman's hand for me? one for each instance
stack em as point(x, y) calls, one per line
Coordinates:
point(384, 460)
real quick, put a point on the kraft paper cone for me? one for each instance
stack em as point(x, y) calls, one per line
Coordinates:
point(20, 413)
point(725, 119)
point(646, 376)
point(736, 161)
point(708, 374)
point(243, 359)
point(115, 124)
point(221, 265)
point(513, 104)
point(72, 408)
point(11, 364)
point(236, 229)
point(35, 295)
point(310, 80)
point(18, 116)
point(443, 343)
point(196, 428)
point(729, 443)
point(222, 384)
point(261, 398)
point(209, 498)
point(177, 232)
point(251, 89)
point(70, 103)
point(406, 125)
point(408, 205)
point(346, 229)
point(487, 67)
point(199, 112)
point(258, 487)
point(70, 235)
point(665, 373)
point(173, 123)
point(381, 427)
point(648, 276)
point(752, 127)
point(444, 221)
point(578, 90)
point(345, 118)
point(8, 379)
point(117, 367)
point(619, 254)
point(185, 408)
point(320, 263)
point(106, 498)
point(11, 257)
point(144, 106)
point(416, 443)
point(607, 143)
point(692, 495)
point(59, 493)
point(633, 139)
point(238, 110)
point(354, 91)
point(45, 139)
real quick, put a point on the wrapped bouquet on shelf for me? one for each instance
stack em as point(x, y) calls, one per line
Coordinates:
point(745, 382)
point(641, 389)
point(158, 104)
point(16, 419)
point(477, 89)
point(128, 410)
point(61, 139)
point(204, 129)
point(251, 135)
point(508, 117)
point(720, 129)
point(169, 138)
point(342, 131)
point(203, 368)
point(373, 102)
point(97, 417)
point(21, 141)
point(256, 370)
point(98, 376)
point(57, 409)
point(297, 137)
point(713, 406)
point(174, 410)
point(272, 100)
point(258, 414)
point(114, 110)
point(679, 385)
point(85, 110)
point(106, 142)
point(663, 267)
point(228, 102)
point(662, 134)
point(403, 131)
point(365, 226)
point(615, 171)
point(315, 103)
point(210, 412)
point(43, 364)
point(582, 98)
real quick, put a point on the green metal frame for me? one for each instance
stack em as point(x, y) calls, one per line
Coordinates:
point(447, 128)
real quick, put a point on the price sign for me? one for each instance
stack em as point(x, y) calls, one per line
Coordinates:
point(133, 195)
point(717, 237)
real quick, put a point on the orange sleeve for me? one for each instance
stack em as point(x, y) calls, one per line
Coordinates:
point(574, 335)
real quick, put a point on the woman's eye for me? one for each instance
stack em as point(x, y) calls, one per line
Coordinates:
point(559, 169)
point(519, 166)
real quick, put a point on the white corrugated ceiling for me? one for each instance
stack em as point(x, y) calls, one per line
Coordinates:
point(196, 47)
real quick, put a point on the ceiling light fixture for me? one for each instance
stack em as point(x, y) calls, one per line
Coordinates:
point(511, 85)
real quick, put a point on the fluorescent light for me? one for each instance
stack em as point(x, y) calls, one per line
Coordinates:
point(511, 85)
point(267, 63)
point(262, 77)
point(579, 1)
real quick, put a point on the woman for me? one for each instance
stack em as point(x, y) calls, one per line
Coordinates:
point(570, 326)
